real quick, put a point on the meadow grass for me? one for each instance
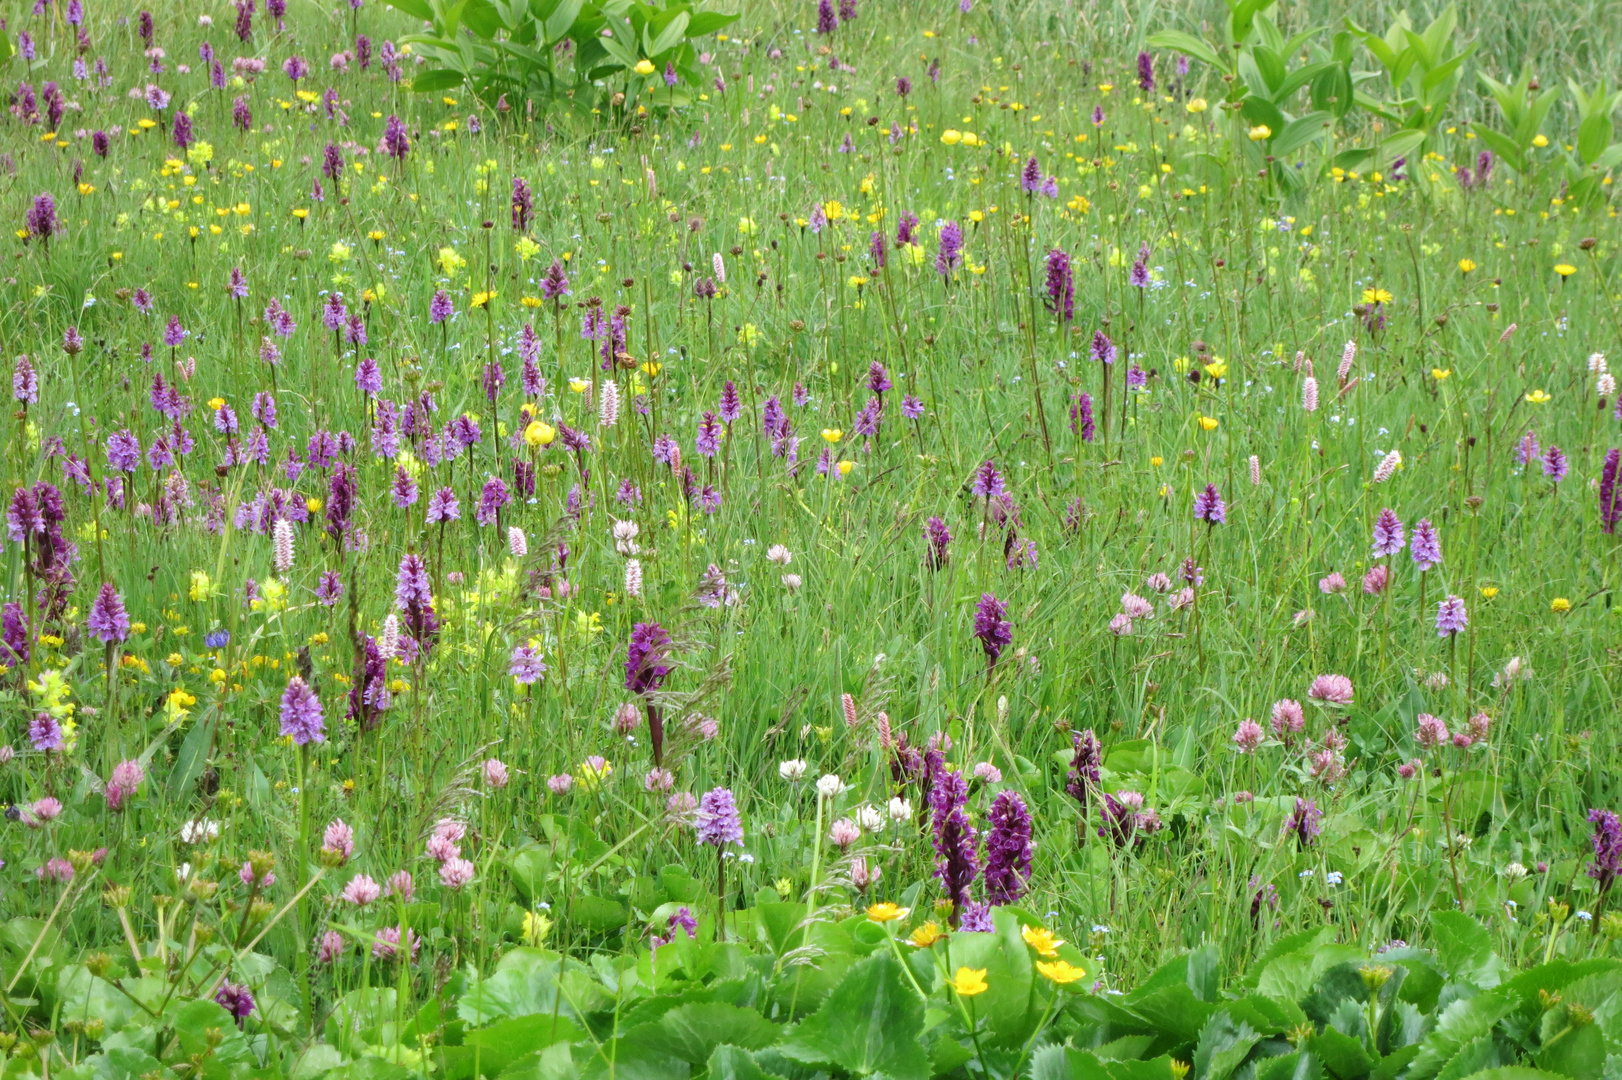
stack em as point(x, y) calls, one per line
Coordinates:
point(726, 250)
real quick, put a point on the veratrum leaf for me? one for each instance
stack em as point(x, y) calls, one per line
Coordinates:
point(869, 1023)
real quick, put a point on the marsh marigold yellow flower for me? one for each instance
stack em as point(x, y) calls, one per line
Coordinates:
point(1042, 940)
point(887, 912)
point(925, 935)
point(969, 981)
point(1062, 972)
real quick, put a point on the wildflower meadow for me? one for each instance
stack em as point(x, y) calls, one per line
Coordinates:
point(855, 538)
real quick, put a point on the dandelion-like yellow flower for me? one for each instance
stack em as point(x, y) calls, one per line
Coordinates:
point(482, 299)
point(1565, 270)
point(969, 981)
point(1376, 296)
point(887, 912)
point(1062, 972)
point(1466, 265)
point(1489, 591)
point(1042, 940)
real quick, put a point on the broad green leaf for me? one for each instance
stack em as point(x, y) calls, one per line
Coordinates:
point(1008, 1007)
point(562, 20)
point(483, 18)
point(1462, 944)
point(435, 80)
point(1477, 1054)
point(192, 758)
point(670, 36)
point(692, 1032)
point(528, 867)
point(1344, 1056)
point(417, 9)
point(870, 1023)
point(735, 1063)
point(1502, 145)
point(1189, 44)
point(1594, 136)
point(1459, 1023)
point(1402, 143)
point(708, 22)
point(1223, 1044)
point(1302, 131)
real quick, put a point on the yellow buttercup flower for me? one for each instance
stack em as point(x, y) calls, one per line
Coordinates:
point(925, 935)
point(1489, 591)
point(1540, 140)
point(1466, 265)
point(951, 136)
point(1440, 373)
point(578, 385)
point(1062, 972)
point(1209, 423)
point(969, 981)
point(887, 912)
point(1537, 397)
point(845, 467)
point(832, 435)
point(1041, 940)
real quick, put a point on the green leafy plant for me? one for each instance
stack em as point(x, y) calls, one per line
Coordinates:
point(1424, 70)
point(1262, 87)
point(1523, 110)
point(518, 48)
